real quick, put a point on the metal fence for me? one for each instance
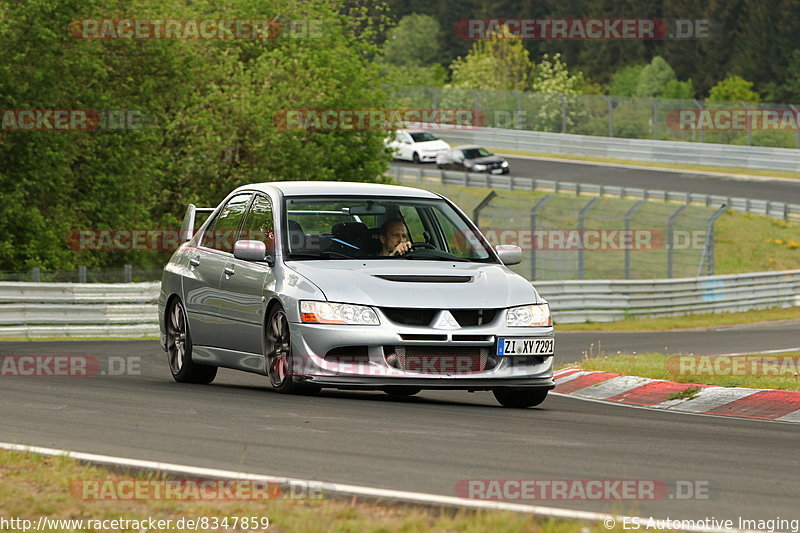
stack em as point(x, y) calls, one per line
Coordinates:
point(741, 123)
point(428, 177)
point(599, 233)
point(83, 274)
point(36, 310)
point(32, 310)
point(611, 300)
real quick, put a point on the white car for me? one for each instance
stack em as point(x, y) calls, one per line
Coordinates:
point(416, 146)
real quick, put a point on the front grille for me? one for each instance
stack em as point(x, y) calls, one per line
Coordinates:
point(440, 359)
point(423, 317)
point(473, 317)
point(410, 317)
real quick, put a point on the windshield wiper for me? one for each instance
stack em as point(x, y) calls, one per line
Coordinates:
point(436, 257)
point(320, 255)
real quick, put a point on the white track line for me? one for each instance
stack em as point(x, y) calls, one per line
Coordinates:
point(371, 492)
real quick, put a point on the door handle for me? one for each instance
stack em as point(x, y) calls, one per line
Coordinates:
point(194, 261)
point(229, 271)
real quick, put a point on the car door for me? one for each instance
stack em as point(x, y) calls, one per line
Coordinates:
point(242, 305)
point(206, 264)
point(406, 145)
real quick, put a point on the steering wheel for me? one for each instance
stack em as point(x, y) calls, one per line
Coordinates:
point(426, 245)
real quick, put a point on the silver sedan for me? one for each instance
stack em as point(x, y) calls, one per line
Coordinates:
point(352, 286)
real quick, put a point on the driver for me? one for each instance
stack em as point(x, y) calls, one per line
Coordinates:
point(394, 238)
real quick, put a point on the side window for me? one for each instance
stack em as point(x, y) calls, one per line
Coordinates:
point(258, 225)
point(413, 222)
point(459, 242)
point(221, 234)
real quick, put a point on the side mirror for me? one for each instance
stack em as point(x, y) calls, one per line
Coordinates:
point(250, 251)
point(510, 254)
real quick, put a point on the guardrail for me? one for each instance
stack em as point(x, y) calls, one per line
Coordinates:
point(36, 310)
point(472, 179)
point(610, 300)
point(692, 153)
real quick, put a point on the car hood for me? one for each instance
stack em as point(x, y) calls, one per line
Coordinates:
point(418, 283)
point(433, 145)
point(487, 160)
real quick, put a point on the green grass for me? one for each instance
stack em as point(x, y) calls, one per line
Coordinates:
point(660, 366)
point(673, 166)
point(710, 320)
point(34, 485)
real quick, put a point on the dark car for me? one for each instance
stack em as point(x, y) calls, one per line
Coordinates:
point(472, 159)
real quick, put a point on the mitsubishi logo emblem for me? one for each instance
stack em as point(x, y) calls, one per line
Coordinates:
point(446, 321)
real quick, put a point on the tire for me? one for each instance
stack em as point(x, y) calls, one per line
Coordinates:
point(278, 354)
point(401, 390)
point(520, 398)
point(415, 158)
point(179, 349)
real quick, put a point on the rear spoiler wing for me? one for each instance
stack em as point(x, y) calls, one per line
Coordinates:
point(187, 228)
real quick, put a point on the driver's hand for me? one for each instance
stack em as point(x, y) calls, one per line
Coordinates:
point(401, 248)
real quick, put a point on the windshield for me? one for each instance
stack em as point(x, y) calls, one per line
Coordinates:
point(423, 136)
point(375, 227)
point(475, 153)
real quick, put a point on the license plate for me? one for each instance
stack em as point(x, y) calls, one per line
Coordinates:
point(497, 171)
point(523, 346)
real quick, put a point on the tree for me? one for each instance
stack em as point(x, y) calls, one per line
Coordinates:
point(414, 41)
point(733, 89)
point(494, 64)
point(679, 90)
point(410, 51)
point(624, 82)
point(653, 78)
point(211, 108)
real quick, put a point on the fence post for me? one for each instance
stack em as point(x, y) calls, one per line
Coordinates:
point(477, 212)
point(708, 249)
point(581, 220)
point(701, 105)
point(36, 274)
point(564, 113)
point(749, 126)
point(655, 117)
point(81, 274)
point(797, 137)
point(519, 121)
point(610, 115)
point(671, 238)
point(628, 217)
point(534, 210)
point(127, 273)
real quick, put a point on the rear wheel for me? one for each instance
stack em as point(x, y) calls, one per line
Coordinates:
point(401, 390)
point(520, 398)
point(278, 352)
point(179, 349)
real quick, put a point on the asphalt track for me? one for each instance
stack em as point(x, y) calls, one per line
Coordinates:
point(781, 190)
point(426, 443)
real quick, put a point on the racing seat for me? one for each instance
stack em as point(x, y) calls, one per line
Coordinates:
point(353, 237)
point(297, 239)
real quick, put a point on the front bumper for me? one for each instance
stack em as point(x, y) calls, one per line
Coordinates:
point(322, 356)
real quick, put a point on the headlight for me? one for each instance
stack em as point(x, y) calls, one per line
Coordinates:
point(529, 316)
point(504, 164)
point(479, 167)
point(333, 313)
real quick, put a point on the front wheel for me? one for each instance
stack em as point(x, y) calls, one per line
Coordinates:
point(520, 398)
point(415, 158)
point(179, 349)
point(278, 353)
